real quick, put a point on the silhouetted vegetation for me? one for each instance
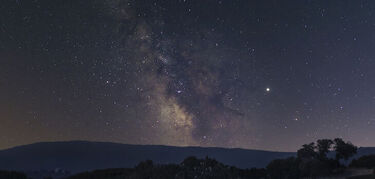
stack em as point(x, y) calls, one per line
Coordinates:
point(104, 174)
point(283, 168)
point(344, 150)
point(191, 167)
point(312, 160)
point(12, 175)
point(367, 161)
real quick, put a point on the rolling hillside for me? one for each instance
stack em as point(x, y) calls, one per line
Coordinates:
point(80, 156)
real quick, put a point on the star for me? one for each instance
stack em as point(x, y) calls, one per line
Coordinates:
point(216, 84)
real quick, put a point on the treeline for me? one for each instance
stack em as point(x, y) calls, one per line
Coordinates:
point(313, 160)
point(191, 167)
point(322, 158)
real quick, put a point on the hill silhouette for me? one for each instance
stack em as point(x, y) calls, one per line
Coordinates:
point(78, 156)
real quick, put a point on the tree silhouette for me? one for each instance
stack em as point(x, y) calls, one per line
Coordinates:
point(191, 162)
point(324, 146)
point(307, 151)
point(344, 150)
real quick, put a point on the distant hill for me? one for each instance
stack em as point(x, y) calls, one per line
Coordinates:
point(365, 151)
point(78, 156)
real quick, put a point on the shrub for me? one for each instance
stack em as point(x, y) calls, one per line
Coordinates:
point(367, 161)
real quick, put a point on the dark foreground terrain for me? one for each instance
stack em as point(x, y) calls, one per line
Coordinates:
point(206, 168)
point(96, 160)
point(80, 156)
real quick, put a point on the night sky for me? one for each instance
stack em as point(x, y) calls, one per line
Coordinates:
point(259, 74)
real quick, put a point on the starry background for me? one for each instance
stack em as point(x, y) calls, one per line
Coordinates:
point(252, 74)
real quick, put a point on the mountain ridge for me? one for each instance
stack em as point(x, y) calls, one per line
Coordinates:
point(79, 156)
point(161, 145)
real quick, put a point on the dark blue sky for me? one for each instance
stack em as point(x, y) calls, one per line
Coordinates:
point(187, 72)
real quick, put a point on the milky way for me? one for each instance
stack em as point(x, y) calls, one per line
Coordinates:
point(259, 74)
point(187, 79)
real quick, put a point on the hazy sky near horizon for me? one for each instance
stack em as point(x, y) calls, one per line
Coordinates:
point(262, 74)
